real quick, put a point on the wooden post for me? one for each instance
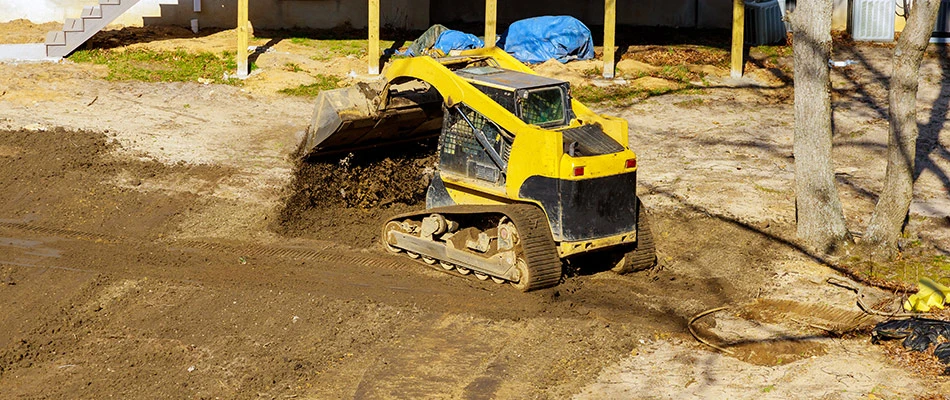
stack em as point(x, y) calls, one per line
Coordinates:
point(242, 34)
point(491, 20)
point(610, 27)
point(373, 44)
point(738, 34)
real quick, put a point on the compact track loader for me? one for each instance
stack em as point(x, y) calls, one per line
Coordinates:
point(527, 176)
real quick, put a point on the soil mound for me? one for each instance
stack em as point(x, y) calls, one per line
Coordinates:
point(346, 197)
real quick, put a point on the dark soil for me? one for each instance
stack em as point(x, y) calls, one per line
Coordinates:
point(348, 197)
point(69, 179)
point(126, 312)
point(130, 313)
point(108, 39)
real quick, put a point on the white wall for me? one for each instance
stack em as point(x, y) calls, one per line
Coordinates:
point(274, 14)
point(41, 11)
point(404, 13)
point(412, 14)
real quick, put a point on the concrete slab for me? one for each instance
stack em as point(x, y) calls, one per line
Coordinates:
point(22, 53)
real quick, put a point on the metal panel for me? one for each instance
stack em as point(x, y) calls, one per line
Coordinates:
point(941, 32)
point(873, 20)
point(589, 140)
point(763, 23)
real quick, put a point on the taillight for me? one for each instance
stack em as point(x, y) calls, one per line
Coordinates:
point(578, 171)
point(632, 163)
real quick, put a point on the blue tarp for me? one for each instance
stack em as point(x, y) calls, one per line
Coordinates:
point(538, 39)
point(443, 39)
point(456, 40)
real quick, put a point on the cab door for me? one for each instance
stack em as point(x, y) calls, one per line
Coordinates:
point(474, 148)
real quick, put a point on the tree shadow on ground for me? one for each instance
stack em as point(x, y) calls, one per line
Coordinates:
point(928, 143)
point(790, 243)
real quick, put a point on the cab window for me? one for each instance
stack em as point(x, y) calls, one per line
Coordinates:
point(543, 107)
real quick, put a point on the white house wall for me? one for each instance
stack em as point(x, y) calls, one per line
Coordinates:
point(272, 14)
point(410, 14)
point(41, 11)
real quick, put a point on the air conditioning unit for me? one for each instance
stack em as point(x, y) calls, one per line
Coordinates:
point(763, 23)
point(873, 20)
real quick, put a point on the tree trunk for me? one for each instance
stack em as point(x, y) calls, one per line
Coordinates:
point(820, 222)
point(887, 222)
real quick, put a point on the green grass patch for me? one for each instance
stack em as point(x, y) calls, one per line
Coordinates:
point(679, 73)
point(774, 51)
point(617, 95)
point(625, 95)
point(324, 82)
point(675, 71)
point(292, 67)
point(232, 55)
point(326, 49)
point(593, 72)
point(691, 103)
point(910, 268)
point(161, 65)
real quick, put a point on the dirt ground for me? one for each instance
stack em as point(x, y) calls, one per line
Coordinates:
point(161, 240)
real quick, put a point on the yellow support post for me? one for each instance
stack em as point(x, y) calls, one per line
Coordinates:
point(242, 34)
point(373, 44)
point(491, 21)
point(738, 34)
point(610, 28)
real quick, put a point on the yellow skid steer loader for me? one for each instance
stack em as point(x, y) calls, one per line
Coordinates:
point(526, 175)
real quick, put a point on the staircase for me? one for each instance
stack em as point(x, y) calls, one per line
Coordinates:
point(77, 31)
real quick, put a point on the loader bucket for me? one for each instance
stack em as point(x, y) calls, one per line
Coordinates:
point(365, 116)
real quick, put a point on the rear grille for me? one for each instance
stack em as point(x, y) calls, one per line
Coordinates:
point(589, 140)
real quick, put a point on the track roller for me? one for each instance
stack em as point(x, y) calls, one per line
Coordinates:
point(508, 243)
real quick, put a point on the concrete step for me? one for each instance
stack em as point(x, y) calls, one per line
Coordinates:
point(73, 25)
point(56, 38)
point(90, 12)
point(77, 31)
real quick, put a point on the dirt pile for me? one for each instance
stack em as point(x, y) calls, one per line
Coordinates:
point(111, 38)
point(26, 31)
point(351, 194)
point(368, 179)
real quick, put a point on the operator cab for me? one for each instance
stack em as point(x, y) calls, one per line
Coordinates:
point(534, 99)
point(541, 101)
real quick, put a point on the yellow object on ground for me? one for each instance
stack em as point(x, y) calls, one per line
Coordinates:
point(930, 294)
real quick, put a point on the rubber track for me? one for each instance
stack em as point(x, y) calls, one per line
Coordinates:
point(644, 256)
point(540, 251)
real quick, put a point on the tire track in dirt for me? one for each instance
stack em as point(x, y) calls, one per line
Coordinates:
point(323, 253)
point(344, 265)
point(57, 232)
